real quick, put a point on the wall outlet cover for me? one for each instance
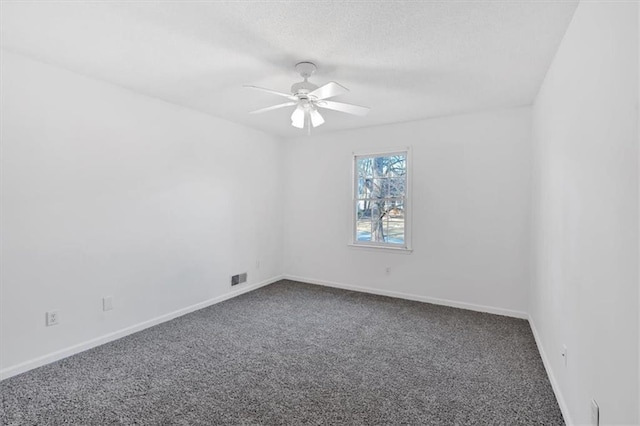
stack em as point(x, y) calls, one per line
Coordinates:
point(107, 303)
point(53, 318)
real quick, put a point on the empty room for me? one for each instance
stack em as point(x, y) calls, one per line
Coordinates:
point(320, 212)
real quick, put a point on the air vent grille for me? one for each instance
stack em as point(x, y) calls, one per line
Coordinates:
point(239, 279)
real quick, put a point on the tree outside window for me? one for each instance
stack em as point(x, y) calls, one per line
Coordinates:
point(380, 199)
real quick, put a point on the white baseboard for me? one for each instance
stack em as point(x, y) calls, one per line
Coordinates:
point(552, 378)
point(414, 297)
point(81, 347)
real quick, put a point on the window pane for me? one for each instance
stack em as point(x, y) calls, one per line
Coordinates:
point(363, 221)
point(380, 193)
point(364, 166)
point(378, 213)
point(396, 187)
point(363, 210)
point(395, 231)
point(364, 187)
point(398, 165)
point(386, 222)
point(396, 209)
point(363, 230)
point(379, 188)
point(394, 222)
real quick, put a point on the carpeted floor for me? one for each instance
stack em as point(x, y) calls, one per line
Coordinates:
point(293, 353)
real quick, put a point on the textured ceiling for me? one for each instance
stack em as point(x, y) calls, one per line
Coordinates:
point(405, 60)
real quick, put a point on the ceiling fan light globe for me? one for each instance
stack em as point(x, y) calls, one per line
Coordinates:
point(316, 118)
point(297, 118)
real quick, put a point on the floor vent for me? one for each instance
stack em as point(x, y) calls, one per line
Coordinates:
point(239, 279)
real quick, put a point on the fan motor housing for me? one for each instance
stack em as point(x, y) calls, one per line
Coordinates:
point(303, 87)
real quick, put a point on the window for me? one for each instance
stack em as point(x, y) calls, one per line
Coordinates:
point(380, 201)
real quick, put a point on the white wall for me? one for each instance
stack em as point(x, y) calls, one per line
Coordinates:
point(585, 270)
point(106, 192)
point(471, 205)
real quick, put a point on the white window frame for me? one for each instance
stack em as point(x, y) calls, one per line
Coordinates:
point(376, 246)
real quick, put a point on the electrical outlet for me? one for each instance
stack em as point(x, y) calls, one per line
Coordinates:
point(107, 303)
point(595, 413)
point(53, 318)
point(564, 354)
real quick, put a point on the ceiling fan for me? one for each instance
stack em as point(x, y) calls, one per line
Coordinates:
point(308, 98)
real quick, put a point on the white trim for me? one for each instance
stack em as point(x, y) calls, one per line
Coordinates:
point(5, 373)
point(388, 151)
point(414, 297)
point(554, 383)
point(373, 247)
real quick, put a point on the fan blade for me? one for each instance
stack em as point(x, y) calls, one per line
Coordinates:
point(329, 90)
point(316, 118)
point(286, 95)
point(297, 118)
point(286, 104)
point(342, 107)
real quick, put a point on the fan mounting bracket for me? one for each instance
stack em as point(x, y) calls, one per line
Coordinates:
point(306, 69)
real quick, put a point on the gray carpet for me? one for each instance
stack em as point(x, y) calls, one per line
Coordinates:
point(293, 353)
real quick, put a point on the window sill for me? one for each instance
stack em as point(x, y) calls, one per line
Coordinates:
point(371, 247)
